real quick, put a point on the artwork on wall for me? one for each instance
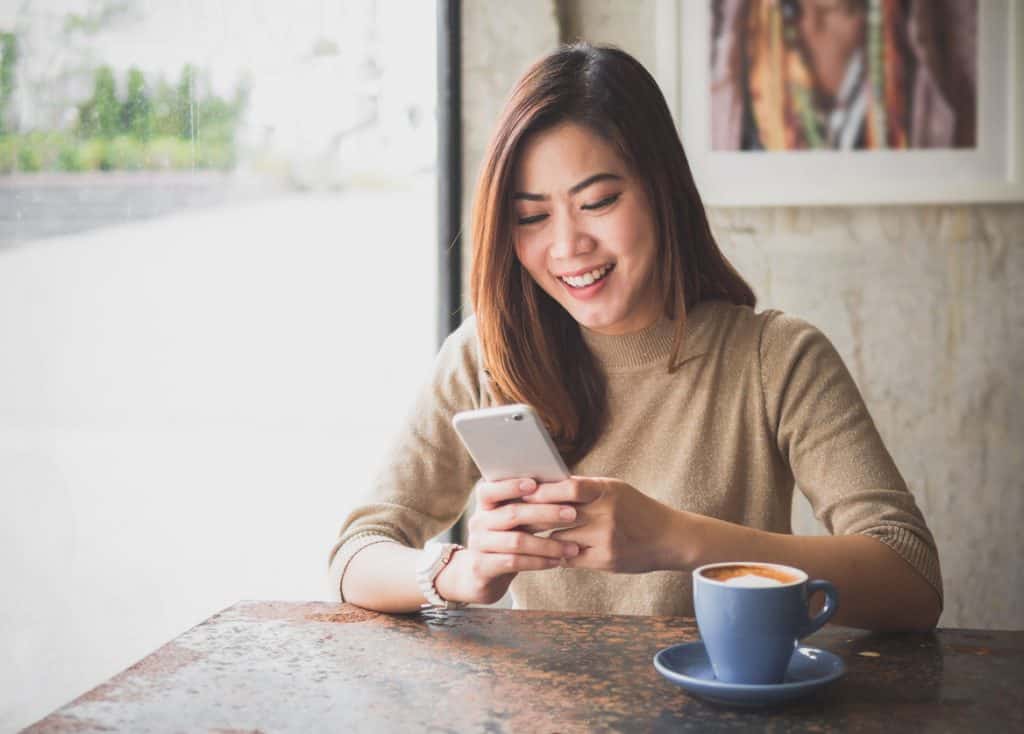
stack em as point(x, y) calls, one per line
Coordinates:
point(847, 101)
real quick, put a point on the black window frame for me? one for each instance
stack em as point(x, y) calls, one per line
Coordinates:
point(449, 184)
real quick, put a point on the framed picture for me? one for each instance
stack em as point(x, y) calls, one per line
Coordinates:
point(795, 102)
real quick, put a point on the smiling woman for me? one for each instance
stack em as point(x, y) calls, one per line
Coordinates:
point(686, 417)
point(590, 160)
point(590, 245)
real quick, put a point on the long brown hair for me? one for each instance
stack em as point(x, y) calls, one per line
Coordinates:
point(532, 348)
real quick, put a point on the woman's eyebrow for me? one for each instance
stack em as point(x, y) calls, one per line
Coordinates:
point(575, 189)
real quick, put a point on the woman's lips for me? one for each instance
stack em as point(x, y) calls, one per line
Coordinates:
point(587, 292)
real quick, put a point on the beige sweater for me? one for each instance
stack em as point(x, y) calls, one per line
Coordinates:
point(759, 400)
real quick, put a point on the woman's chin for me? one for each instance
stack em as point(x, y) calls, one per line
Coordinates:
point(603, 318)
point(592, 320)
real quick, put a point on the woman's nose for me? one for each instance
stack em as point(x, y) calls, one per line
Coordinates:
point(569, 240)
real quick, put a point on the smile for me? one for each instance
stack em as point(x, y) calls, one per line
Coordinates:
point(588, 278)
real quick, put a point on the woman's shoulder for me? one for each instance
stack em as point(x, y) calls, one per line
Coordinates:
point(459, 360)
point(461, 348)
point(464, 334)
point(726, 324)
point(745, 321)
point(742, 328)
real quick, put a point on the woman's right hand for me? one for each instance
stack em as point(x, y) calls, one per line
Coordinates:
point(501, 543)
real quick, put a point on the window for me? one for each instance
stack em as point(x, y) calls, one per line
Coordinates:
point(217, 300)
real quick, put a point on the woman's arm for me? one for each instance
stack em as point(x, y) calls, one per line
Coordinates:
point(382, 575)
point(418, 492)
point(878, 590)
point(881, 549)
point(625, 531)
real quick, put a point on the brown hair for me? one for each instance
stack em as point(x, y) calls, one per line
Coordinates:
point(532, 348)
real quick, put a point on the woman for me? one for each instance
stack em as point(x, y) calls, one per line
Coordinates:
point(601, 299)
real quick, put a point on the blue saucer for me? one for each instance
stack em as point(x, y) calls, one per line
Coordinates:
point(687, 665)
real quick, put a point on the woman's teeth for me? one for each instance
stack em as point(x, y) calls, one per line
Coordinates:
point(582, 281)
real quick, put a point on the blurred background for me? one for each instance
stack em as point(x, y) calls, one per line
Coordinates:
point(217, 286)
point(218, 268)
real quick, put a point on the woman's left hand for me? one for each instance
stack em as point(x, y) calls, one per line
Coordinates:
point(618, 528)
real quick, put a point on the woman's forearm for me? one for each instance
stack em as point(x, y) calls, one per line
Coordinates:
point(878, 590)
point(382, 577)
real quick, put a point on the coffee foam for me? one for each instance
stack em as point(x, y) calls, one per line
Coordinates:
point(751, 581)
point(750, 575)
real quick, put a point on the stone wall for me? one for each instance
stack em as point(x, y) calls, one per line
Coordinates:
point(918, 300)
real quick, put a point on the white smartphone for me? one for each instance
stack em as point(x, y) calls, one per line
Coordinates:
point(510, 441)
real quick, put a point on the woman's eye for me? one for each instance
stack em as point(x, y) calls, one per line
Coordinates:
point(606, 201)
point(532, 220)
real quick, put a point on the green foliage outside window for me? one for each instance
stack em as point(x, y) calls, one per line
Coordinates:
point(8, 62)
point(150, 127)
point(136, 114)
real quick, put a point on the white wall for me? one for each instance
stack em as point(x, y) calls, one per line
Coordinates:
point(187, 407)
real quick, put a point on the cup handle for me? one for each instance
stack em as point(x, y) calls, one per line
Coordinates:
point(831, 605)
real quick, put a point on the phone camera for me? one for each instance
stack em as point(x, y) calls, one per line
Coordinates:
point(517, 417)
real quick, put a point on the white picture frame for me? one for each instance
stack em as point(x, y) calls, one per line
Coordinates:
point(993, 171)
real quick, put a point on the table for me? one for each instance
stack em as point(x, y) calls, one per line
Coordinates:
point(304, 667)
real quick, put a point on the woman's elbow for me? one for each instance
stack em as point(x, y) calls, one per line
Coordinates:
point(932, 611)
point(918, 612)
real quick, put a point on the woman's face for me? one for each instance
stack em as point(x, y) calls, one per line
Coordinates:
point(585, 231)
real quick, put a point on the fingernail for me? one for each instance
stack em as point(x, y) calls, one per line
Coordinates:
point(552, 562)
point(567, 513)
point(527, 485)
point(571, 551)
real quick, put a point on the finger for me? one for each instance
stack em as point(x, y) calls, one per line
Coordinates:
point(546, 529)
point(578, 490)
point(546, 532)
point(576, 536)
point(492, 494)
point(491, 565)
point(588, 556)
point(511, 516)
point(585, 559)
point(524, 544)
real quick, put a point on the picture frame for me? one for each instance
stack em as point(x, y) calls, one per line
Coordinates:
point(991, 171)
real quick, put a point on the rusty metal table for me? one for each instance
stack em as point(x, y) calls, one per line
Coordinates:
point(275, 667)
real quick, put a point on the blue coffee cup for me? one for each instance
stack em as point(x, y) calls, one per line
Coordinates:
point(752, 616)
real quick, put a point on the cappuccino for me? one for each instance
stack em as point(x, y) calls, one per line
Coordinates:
point(752, 615)
point(750, 576)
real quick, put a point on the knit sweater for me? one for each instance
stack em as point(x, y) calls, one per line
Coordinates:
point(759, 404)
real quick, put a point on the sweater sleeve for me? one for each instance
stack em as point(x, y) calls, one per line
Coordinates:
point(827, 437)
point(427, 478)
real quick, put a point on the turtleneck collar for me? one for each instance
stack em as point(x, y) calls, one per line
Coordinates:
point(650, 346)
